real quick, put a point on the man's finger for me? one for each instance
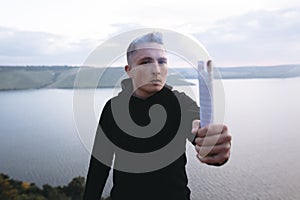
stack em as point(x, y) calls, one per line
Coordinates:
point(212, 129)
point(215, 159)
point(195, 126)
point(212, 150)
point(212, 140)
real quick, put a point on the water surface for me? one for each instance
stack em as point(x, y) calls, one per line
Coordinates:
point(39, 141)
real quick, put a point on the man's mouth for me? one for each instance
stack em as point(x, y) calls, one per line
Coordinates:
point(157, 81)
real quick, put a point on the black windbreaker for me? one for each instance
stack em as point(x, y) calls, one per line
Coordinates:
point(159, 181)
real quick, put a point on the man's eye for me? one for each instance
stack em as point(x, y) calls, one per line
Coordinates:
point(162, 62)
point(145, 62)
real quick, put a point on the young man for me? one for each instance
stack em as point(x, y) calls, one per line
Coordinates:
point(128, 123)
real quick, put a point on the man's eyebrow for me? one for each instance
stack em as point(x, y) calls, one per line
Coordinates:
point(146, 58)
point(150, 58)
point(162, 58)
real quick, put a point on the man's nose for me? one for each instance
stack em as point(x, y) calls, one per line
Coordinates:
point(156, 68)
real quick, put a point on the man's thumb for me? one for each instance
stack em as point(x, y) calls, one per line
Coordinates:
point(195, 126)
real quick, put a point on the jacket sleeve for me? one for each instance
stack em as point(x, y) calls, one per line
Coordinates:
point(190, 112)
point(101, 158)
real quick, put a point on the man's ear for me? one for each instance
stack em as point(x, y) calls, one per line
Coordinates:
point(127, 69)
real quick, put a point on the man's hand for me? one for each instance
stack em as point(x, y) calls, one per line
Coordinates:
point(213, 143)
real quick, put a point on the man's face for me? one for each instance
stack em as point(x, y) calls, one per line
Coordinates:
point(148, 69)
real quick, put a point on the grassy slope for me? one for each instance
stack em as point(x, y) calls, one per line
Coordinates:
point(12, 78)
point(23, 79)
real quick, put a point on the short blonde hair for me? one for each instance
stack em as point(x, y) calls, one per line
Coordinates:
point(155, 37)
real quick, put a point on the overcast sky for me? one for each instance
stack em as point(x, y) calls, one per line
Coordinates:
point(65, 32)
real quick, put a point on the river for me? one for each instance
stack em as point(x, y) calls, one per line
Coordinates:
point(39, 141)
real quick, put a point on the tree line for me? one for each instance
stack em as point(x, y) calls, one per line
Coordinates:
point(11, 189)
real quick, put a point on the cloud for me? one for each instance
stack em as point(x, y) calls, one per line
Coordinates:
point(122, 27)
point(257, 38)
point(260, 37)
point(29, 47)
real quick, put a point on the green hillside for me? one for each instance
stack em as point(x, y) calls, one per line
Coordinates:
point(67, 77)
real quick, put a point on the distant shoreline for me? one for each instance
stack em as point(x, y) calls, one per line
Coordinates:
point(66, 77)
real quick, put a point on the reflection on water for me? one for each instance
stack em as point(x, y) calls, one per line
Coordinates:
point(39, 142)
